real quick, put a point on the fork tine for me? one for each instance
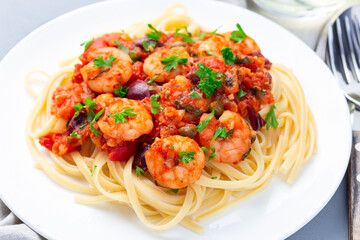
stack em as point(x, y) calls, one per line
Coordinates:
point(356, 38)
point(349, 30)
point(345, 67)
point(332, 51)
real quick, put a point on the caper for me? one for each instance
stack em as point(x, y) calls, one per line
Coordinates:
point(188, 131)
point(218, 108)
point(178, 44)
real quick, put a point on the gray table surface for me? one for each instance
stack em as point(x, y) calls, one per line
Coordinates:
point(20, 17)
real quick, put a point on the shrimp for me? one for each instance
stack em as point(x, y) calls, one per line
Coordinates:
point(232, 149)
point(132, 127)
point(212, 46)
point(167, 165)
point(177, 93)
point(107, 79)
point(154, 68)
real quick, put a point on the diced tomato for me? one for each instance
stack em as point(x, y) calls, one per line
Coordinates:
point(123, 151)
point(214, 63)
point(138, 71)
point(47, 141)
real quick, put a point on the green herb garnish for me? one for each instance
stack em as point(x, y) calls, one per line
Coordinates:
point(86, 44)
point(100, 62)
point(121, 91)
point(172, 61)
point(271, 118)
point(155, 35)
point(195, 95)
point(138, 171)
point(151, 81)
point(202, 35)
point(186, 156)
point(175, 190)
point(210, 80)
point(228, 55)
point(75, 135)
point(146, 45)
point(122, 47)
point(241, 93)
point(121, 116)
point(155, 106)
point(202, 125)
point(238, 35)
point(186, 37)
point(213, 177)
point(93, 171)
point(96, 117)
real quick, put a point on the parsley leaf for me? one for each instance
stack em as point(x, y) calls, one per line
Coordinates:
point(241, 93)
point(172, 61)
point(78, 108)
point(93, 171)
point(194, 95)
point(121, 91)
point(271, 118)
point(122, 47)
point(96, 117)
point(172, 147)
point(205, 150)
point(155, 35)
point(213, 177)
point(75, 135)
point(155, 106)
point(208, 50)
point(138, 171)
point(186, 37)
point(175, 190)
point(212, 155)
point(121, 116)
point(210, 80)
point(228, 55)
point(151, 81)
point(92, 105)
point(202, 35)
point(238, 35)
point(202, 125)
point(186, 156)
point(86, 44)
point(100, 62)
point(219, 132)
point(146, 45)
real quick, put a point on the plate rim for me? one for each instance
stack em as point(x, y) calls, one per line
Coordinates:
point(285, 234)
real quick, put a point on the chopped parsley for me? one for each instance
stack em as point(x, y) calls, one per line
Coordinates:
point(208, 50)
point(172, 61)
point(93, 171)
point(228, 55)
point(75, 135)
point(138, 171)
point(86, 44)
point(96, 117)
point(186, 37)
point(271, 118)
point(121, 116)
point(78, 108)
point(146, 45)
point(194, 95)
point(214, 177)
point(209, 80)
point(122, 47)
point(212, 155)
point(121, 91)
point(246, 154)
point(133, 56)
point(202, 125)
point(82, 126)
point(172, 147)
point(205, 150)
point(175, 190)
point(202, 35)
point(100, 62)
point(220, 132)
point(151, 81)
point(186, 156)
point(238, 35)
point(155, 106)
point(155, 34)
point(241, 93)
point(92, 105)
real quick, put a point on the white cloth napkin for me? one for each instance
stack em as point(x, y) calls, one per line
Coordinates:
point(11, 228)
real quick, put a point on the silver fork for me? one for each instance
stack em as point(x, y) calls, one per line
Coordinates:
point(343, 57)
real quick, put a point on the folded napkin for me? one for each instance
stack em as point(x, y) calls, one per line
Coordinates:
point(12, 228)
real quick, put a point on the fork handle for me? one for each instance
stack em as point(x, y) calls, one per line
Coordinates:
point(354, 188)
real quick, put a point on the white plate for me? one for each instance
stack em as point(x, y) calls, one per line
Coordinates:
point(275, 213)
